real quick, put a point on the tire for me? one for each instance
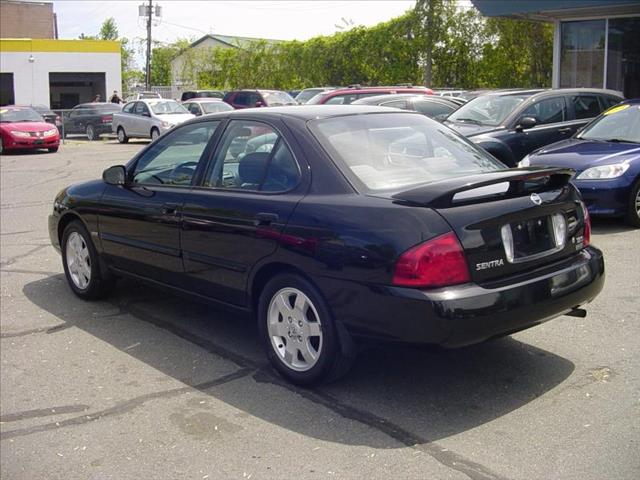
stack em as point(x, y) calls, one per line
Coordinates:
point(155, 133)
point(1, 146)
point(122, 137)
point(82, 264)
point(315, 355)
point(91, 133)
point(53, 149)
point(633, 208)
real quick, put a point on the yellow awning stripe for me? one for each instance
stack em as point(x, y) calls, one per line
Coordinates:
point(48, 45)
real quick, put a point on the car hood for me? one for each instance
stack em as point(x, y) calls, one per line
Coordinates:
point(174, 119)
point(27, 126)
point(581, 154)
point(471, 129)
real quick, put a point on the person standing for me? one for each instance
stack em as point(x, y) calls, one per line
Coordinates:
point(115, 98)
point(97, 98)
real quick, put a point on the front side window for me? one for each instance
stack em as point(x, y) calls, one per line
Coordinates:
point(173, 159)
point(253, 156)
point(388, 151)
point(276, 99)
point(128, 108)
point(550, 110)
point(140, 108)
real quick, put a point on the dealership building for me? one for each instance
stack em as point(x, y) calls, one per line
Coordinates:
point(57, 73)
point(596, 42)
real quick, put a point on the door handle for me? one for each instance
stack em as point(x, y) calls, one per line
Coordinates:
point(265, 219)
point(564, 130)
point(170, 208)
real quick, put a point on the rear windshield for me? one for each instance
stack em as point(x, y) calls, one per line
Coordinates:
point(392, 151)
point(275, 99)
point(487, 109)
point(213, 107)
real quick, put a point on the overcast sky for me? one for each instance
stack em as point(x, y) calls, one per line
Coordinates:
point(285, 20)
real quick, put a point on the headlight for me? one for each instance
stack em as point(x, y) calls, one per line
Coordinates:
point(16, 133)
point(53, 131)
point(525, 162)
point(167, 124)
point(604, 172)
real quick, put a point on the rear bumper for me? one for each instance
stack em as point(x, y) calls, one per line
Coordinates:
point(466, 314)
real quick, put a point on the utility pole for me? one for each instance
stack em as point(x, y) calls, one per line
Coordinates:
point(147, 80)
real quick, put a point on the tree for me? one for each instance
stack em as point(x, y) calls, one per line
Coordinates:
point(161, 58)
point(108, 30)
point(432, 18)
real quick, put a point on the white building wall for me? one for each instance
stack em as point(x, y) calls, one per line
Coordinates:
point(31, 78)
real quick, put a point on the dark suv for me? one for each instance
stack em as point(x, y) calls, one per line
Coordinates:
point(511, 124)
point(92, 119)
point(345, 96)
point(258, 98)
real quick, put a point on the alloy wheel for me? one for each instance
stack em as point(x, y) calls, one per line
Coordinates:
point(78, 260)
point(90, 133)
point(295, 329)
point(637, 202)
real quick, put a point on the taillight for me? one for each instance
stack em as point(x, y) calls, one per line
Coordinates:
point(435, 263)
point(107, 118)
point(586, 236)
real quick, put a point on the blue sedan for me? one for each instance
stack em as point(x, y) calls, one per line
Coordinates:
point(606, 158)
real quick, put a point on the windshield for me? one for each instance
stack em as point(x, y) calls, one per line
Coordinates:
point(487, 109)
point(275, 99)
point(167, 107)
point(396, 150)
point(621, 123)
point(210, 94)
point(213, 107)
point(11, 115)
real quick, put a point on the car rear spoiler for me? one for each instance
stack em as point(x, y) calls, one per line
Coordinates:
point(441, 194)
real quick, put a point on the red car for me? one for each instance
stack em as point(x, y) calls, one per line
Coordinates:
point(345, 96)
point(23, 128)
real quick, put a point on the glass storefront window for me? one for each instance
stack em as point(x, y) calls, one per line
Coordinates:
point(582, 53)
point(623, 56)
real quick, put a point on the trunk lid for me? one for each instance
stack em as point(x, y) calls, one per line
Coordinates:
point(508, 221)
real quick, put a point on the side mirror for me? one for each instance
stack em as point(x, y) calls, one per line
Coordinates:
point(526, 122)
point(116, 175)
point(259, 104)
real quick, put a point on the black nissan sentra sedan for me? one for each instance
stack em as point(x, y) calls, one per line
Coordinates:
point(335, 224)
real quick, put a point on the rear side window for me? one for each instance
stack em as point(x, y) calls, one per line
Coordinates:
point(585, 106)
point(344, 99)
point(252, 156)
point(549, 110)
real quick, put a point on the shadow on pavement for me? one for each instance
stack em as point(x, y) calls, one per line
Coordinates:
point(413, 396)
point(603, 225)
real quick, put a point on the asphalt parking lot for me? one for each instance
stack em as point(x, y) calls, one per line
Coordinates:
point(146, 385)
